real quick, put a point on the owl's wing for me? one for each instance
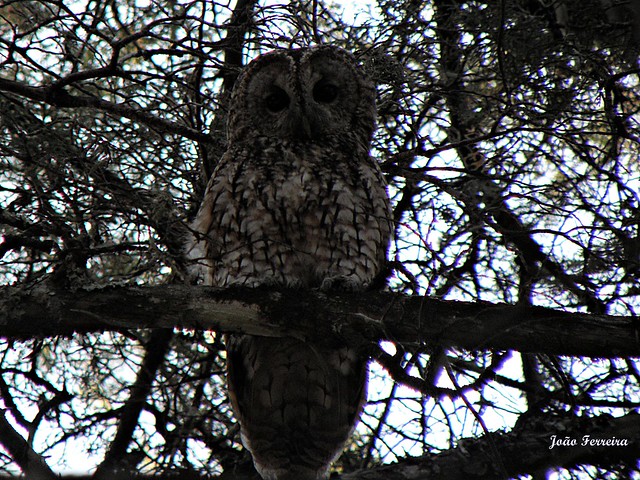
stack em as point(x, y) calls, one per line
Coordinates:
point(203, 244)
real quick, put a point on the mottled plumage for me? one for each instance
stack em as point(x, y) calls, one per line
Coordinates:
point(296, 201)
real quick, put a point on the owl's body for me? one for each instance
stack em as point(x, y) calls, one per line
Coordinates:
point(296, 201)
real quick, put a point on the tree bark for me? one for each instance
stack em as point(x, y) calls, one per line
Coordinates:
point(358, 319)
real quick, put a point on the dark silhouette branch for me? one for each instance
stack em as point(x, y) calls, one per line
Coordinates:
point(116, 458)
point(496, 212)
point(239, 26)
point(32, 464)
point(59, 97)
point(537, 443)
point(356, 318)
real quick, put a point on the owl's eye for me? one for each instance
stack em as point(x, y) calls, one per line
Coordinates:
point(277, 100)
point(325, 92)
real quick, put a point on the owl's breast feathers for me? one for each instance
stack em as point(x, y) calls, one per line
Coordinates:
point(293, 215)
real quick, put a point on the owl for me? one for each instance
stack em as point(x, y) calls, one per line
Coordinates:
point(296, 201)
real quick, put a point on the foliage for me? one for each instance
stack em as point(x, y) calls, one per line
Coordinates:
point(509, 135)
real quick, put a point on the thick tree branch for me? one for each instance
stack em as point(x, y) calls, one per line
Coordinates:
point(355, 318)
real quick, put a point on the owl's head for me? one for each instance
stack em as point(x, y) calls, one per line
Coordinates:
point(303, 95)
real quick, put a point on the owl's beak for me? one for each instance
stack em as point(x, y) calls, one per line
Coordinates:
point(299, 125)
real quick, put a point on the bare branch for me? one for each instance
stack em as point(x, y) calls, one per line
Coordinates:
point(32, 464)
point(60, 98)
point(116, 458)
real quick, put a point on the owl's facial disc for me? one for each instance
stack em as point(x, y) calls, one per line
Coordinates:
point(308, 109)
point(303, 95)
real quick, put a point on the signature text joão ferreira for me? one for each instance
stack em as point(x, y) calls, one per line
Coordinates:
point(587, 441)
